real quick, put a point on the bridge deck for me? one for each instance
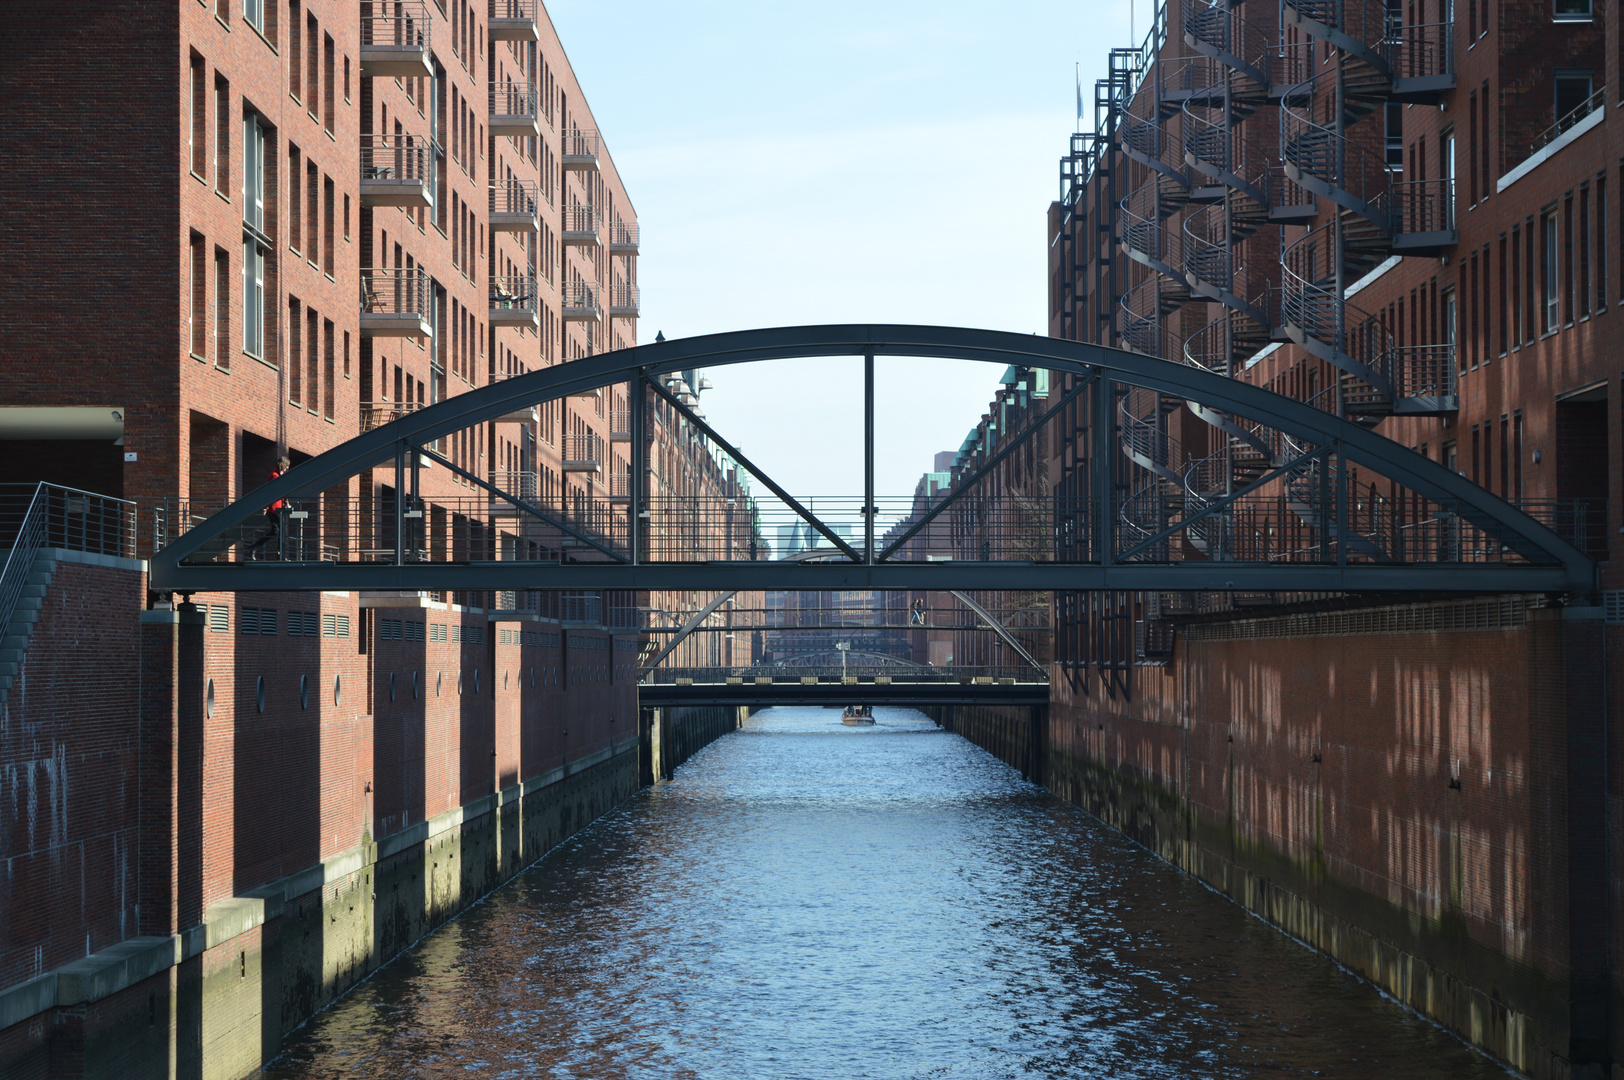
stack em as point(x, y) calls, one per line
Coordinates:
point(781, 692)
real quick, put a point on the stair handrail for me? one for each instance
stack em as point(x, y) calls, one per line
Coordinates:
point(20, 559)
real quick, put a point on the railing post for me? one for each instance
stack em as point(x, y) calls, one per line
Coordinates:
point(637, 400)
point(1100, 470)
point(868, 457)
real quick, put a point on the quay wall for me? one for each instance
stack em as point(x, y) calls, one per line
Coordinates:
point(1397, 799)
point(187, 876)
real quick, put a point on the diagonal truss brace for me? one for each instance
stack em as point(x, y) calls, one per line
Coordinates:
point(772, 485)
point(1225, 502)
point(998, 628)
point(522, 505)
point(689, 627)
point(992, 463)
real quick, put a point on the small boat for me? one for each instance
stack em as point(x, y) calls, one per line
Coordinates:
point(857, 715)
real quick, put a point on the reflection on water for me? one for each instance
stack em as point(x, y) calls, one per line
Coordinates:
point(813, 900)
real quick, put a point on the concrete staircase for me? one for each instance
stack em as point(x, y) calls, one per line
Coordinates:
point(15, 636)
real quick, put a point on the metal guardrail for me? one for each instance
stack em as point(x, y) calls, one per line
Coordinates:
point(513, 9)
point(513, 293)
point(623, 233)
point(580, 145)
point(901, 671)
point(579, 294)
point(510, 97)
point(395, 291)
point(36, 516)
point(1563, 123)
point(396, 157)
point(395, 23)
point(624, 299)
point(514, 197)
point(582, 218)
point(583, 449)
point(375, 414)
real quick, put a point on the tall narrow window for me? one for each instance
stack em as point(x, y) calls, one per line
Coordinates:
point(312, 95)
point(1530, 319)
point(199, 117)
point(1471, 158)
point(1599, 255)
point(346, 354)
point(222, 136)
point(1484, 139)
point(312, 212)
point(253, 172)
point(312, 358)
point(1516, 286)
point(253, 13)
point(1566, 273)
point(1505, 456)
point(1450, 323)
point(328, 54)
point(295, 354)
point(1466, 304)
point(1517, 456)
point(1582, 259)
point(199, 316)
point(1500, 324)
point(222, 308)
point(1446, 152)
point(1552, 314)
point(295, 48)
point(327, 225)
point(295, 199)
point(1486, 309)
point(255, 247)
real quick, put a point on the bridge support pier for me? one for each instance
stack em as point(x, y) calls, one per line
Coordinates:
point(1589, 932)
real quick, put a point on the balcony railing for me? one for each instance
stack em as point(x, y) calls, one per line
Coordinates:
point(623, 301)
point(582, 223)
point(1563, 123)
point(620, 487)
point(396, 170)
point(514, 108)
point(620, 425)
point(623, 237)
point(395, 38)
point(580, 301)
point(375, 414)
point(514, 20)
point(514, 206)
point(580, 148)
point(395, 303)
point(583, 453)
point(513, 301)
point(581, 608)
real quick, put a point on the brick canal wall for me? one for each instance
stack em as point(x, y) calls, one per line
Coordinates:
point(184, 879)
point(1390, 787)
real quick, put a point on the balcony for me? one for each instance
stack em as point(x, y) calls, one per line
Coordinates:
point(524, 414)
point(513, 301)
point(582, 223)
point(580, 609)
point(514, 20)
point(620, 425)
point(395, 303)
point(622, 237)
point(580, 302)
point(396, 170)
point(623, 300)
point(375, 414)
point(583, 453)
point(514, 109)
point(395, 39)
point(620, 488)
point(521, 484)
point(514, 207)
point(581, 149)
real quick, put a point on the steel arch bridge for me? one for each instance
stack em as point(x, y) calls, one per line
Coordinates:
point(1299, 523)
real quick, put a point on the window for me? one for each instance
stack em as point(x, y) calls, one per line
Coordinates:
point(200, 117)
point(327, 225)
point(1471, 158)
point(1446, 159)
point(1599, 255)
point(1571, 11)
point(1451, 321)
point(1394, 115)
point(295, 49)
point(253, 298)
point(222, 308)
point(1571, 96)
point(1485, 141)
point(253, 13)
point(253, 172)
point(198, 318)
point(312, 95)
point(312, 359)
point(295, 367)
point(295, 203)
point(1501, 310)
point(222, 138)
point(312, 211)
point(1551, 312)
point(1565, 275)
point(329, 52)
point(1582, 258)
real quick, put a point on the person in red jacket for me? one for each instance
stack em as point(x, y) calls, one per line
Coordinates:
point(273, 515)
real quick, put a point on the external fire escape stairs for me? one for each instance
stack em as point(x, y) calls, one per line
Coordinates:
point(30, 581)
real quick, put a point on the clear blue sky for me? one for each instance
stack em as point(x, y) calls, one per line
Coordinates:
point(840, 162)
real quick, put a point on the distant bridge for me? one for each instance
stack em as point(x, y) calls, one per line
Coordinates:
point(772, 685)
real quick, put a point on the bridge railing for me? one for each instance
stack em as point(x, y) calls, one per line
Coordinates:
point(832, 674)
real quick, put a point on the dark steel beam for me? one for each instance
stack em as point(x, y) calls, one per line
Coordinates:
point(820, 577)
point(656, 695)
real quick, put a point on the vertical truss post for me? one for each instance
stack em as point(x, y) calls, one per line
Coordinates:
point(400, 504)
point(637, 400)
point(1100, 469)
point(868, 457)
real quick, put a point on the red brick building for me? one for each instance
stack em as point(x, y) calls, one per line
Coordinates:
point(279, 224)
point(1410, 216)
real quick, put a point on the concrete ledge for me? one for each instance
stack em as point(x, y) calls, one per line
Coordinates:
point(27, 999)
point(105, 973)
point(90, 558)
point(172, 617)
point(231, 918)
point(1549, 150)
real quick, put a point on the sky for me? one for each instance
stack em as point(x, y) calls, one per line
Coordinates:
point(888, 161)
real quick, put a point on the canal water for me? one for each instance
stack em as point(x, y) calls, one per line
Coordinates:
point(812, 900)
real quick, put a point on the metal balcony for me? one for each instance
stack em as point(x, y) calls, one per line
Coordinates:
point(396, 170)
point(395, 303)
point(581, 609)
point(395, 39)
point(620, 488)
point(514, 206)
point(622, 237)
point(623, 300)
point(375, 414)
point(580, 302)
point(583, 453)
point(620, 425)
point(521, 484)
point(514, 302)
point(582, 224)
point(514, 108)
point(514, 20)
point(526, 414)
point(581, 148)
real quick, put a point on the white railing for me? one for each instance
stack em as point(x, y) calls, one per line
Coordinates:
point(520, 483)
point(520, 10)
point(396, 291)
point(580, 144)
point(623, 233)
point(579, 294)
point(516, 292)
point(514, 197)
point(512, 98)
point(399, 24)
point(396, 157)
point(582, 218)
point(623, 299)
